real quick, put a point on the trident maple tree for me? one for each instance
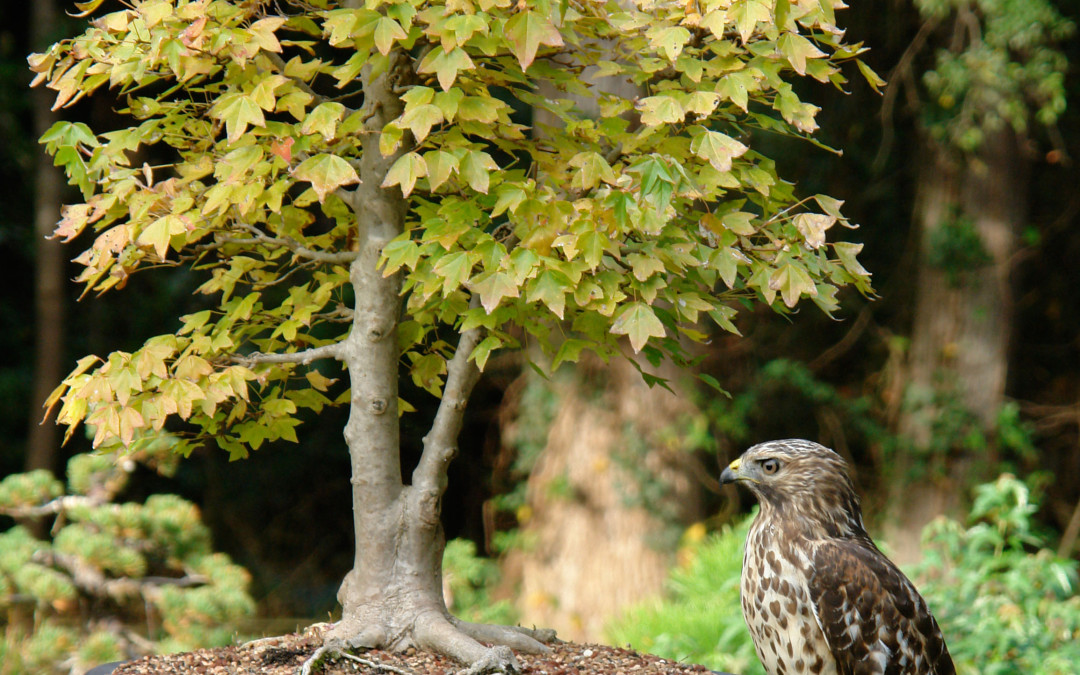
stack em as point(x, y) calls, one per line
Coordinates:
point(359, 182)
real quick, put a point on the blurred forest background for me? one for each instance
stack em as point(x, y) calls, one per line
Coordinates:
point(575, 493)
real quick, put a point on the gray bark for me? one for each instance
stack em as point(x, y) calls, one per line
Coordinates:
point(392, 597)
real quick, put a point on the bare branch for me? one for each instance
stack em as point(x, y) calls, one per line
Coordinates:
point(298, 248)
point(332, 351)
point(50, 508)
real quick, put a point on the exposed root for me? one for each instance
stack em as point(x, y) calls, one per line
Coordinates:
point(497, 659)
point(328, 650)
point(528, 640)
point(460, 640)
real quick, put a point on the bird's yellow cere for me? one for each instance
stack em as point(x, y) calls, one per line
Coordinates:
point(734, 466)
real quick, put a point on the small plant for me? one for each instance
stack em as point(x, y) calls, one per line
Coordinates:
point(1006, 604)
point(109, 580)
point(699, 619)
point(467, 583)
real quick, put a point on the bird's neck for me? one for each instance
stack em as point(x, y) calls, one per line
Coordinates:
point(811, 519)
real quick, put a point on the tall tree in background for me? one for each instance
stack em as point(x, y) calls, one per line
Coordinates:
point(354, 191)
point(49, 279)
point(996, 76)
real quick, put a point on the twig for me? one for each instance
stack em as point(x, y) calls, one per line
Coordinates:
point(298, 248)
point(331, 351)
point(902, 70)
point(50, 508)
point(378, 665)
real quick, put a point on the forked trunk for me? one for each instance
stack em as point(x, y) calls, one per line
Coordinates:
point(392, 598)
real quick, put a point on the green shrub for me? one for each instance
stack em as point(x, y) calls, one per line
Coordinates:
point(108, 581)
point(468, 581)
point(699, 619)
point(1005, 603)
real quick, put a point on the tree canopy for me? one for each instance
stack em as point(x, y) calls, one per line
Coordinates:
point(570, 238)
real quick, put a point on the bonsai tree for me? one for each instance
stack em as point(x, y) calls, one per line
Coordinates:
point(359, 183)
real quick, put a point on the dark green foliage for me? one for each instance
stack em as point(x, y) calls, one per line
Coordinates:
point(955, 247)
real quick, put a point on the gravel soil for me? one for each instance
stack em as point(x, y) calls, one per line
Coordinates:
point(284, 656)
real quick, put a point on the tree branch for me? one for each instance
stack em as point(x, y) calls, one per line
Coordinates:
point(93, 581)
point(440, 444)
point(298, 248)
point(279, 65)
point(332, 351)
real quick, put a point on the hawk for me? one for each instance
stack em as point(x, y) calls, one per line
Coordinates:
point(817, 594)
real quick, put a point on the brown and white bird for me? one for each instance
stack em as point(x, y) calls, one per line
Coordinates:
point(817, 594)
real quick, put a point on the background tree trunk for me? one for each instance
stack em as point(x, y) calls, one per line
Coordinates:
point(963, 312)
point(43, 439)
point(609, 500)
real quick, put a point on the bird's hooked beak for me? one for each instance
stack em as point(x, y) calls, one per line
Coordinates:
point(731, 473)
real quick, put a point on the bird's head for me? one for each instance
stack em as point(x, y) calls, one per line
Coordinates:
point(802, 481)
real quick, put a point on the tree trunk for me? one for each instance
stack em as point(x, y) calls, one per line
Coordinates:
point(392, 597)
point(963, 318)
point(963, 310)
point(43, 439)
point(606, 495)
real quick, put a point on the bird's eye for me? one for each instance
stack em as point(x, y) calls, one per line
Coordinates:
point(770, 466)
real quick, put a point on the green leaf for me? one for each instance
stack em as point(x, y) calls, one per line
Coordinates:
point(847, 252)
point(483, 350)
point(160, 232)
point(792, 281)
point(526, 31)
point(387, 32)
point(483, 109)
point(439, 167)
point(739, 222)
point(326, 173)
point(870, 76)
point(797, 49)
point(446, 66)
point(493, 288)
point(323, 120)
point(812, 227)
point(401, 252)
point(668, 39)
point(237, 111)
point(454, 268)
point(569, 351)
point(662, 109)
point(419, 120)
point(551, 288)
point(475, 166)
point(747, 14)
point(405, 171)
point(717, 149)
point(592, 168)
point(638, 322)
